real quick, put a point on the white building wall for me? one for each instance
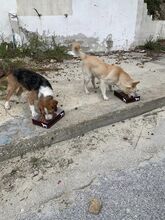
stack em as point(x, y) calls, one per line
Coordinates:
point(5, 8)
point(99, 24)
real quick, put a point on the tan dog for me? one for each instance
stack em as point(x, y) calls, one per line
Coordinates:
point(110, 75)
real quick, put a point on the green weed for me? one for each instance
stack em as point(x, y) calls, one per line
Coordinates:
point(154, 45)
point(37, 48)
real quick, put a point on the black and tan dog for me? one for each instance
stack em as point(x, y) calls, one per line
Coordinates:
point(37, 86)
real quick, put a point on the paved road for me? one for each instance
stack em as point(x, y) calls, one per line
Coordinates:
point(128, 194)
point(123, 165)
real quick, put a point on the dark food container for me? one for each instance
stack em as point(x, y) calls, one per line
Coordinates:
point(125, 98)
point(49, 123)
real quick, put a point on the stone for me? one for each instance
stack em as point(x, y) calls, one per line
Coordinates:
point(95, 206)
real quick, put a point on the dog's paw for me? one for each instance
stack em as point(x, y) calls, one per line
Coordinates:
point(87, 92)
point(105, 98)
point(34, 115)
point(7, 105)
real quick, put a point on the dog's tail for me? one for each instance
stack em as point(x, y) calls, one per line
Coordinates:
point(76, 49)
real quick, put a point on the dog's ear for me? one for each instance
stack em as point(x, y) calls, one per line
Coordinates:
point(135, 83)
point(128, 85)
point(56, 102)
point(41, 106)
point(131, 84)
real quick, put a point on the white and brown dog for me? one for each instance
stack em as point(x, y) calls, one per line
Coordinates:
point(107, 74)
point(38, 88)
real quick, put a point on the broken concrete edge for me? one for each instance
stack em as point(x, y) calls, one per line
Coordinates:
point(79, 127)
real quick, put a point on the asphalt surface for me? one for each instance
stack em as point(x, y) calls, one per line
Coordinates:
point(127, 194)
point(122, 165)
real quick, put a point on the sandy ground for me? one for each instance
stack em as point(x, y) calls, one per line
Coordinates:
point(67, 82)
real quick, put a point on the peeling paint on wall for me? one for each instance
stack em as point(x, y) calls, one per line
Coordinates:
point(109, 42)
point(87, 43)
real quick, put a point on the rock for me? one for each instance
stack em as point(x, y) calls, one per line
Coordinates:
point(125, 138)
point(22, 210)
point(35, 173)
point(140, 65)
point(142, 51)
point(95, 206)
point(51, 61)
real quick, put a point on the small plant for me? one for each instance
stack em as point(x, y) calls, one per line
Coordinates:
point(154, 45)
point(7, 50)
point(37, 48)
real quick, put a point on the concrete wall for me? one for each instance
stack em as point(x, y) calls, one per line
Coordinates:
point(44, 7)
point(5, 8)
point(146, 28)
point(99, 24)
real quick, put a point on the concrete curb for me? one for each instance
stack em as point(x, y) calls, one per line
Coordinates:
point(78, 122)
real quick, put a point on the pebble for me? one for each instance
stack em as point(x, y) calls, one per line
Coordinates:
point(35, 173)
point(95, 206)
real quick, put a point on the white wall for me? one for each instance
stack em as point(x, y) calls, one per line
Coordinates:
point(6, 7)
point(97, 23)
point(92, 19)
